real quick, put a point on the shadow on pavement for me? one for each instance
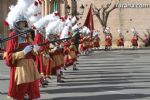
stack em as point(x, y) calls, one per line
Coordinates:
point(105, 97)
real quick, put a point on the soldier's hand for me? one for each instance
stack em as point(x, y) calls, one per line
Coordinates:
point(27, 49)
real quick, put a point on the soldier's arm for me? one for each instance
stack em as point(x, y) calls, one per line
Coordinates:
point(11, 58)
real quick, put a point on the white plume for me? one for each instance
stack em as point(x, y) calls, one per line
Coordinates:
point(88, 31)
point(95, 33)
point(33, 9)
point(68, 22)
point(107, 30)
point(45, 20)
point(133, 29)
point(34, 19)
point(60, 27)
point(85, 30)
point(73, 20)
point(50, 29)
point(76, 26)
point(19, 9)
point(64, 33)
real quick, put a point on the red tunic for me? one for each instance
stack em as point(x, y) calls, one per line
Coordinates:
point(134, 41)
point(85, 44)
point(70, 54)
point(57, 62)
point(108, 40)
point(120, 42)
point(91, 43)
point(96, 42)
point(48, 61)
point(18, 91)
point(39, 38)
point(11, 46)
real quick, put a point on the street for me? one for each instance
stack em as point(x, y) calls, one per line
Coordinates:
point(111, 75)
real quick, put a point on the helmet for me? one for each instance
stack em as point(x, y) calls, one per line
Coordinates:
point(19, 19)
point(107, 30)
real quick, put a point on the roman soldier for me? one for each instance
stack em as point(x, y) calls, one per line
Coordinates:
point(76, 40)
point(57, 58)
point(134, 39)
point(73, 54)
point(81, 50)
point(41, 57)
point(70, 48)
point(108, 39)
point(20, 55)
point(96, 40)
point(67, 43)
point(48, 59)
point(120, 41)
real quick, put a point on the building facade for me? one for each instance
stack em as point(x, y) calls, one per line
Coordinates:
point(4, 9)
point(124, 17)
point(129, 14)
point(49, 6)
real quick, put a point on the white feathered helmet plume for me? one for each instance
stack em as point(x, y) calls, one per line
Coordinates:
point(33, 19)
point(50, 29)
point(61, 25)
point(19, 9)
point(83, 30)
point(76, 26)
point(74, 20)
point(86, 30)
point(65, 32)
point(68, 21)
point(120, 32)
point(95, 33)
point(68, 27)
point(45, 20)
point(55, 27)
point(107, 30)
point(133, 30)
point(34, 8)
point(34, 12)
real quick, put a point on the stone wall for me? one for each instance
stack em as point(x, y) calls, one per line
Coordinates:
point(4, 8)
point(124, 18)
